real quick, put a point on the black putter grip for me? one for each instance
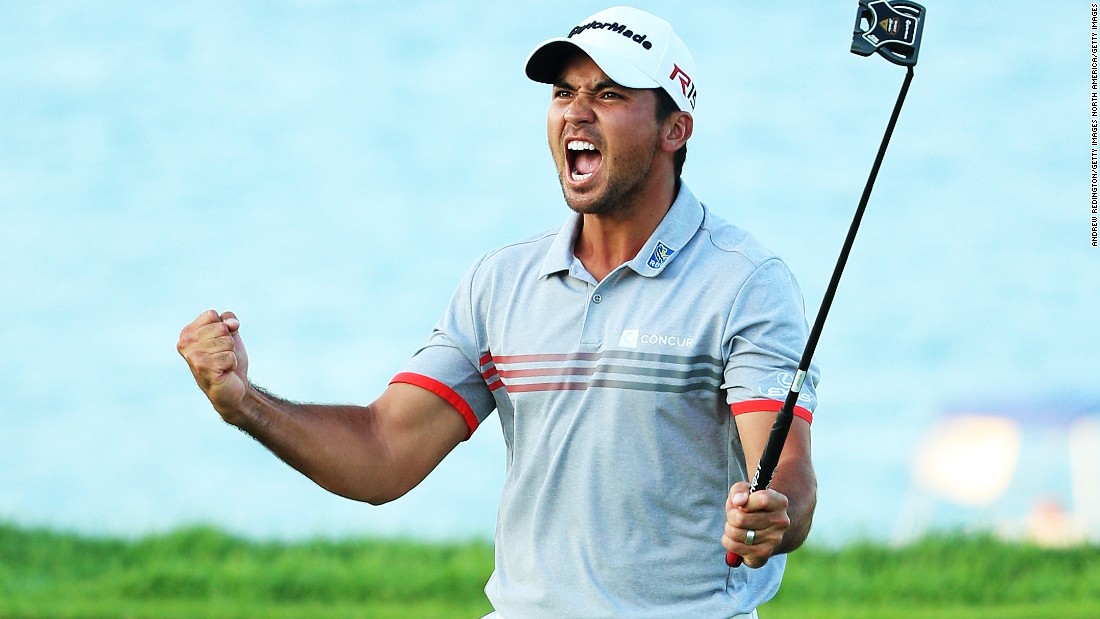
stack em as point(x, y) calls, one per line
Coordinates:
point(770, 458)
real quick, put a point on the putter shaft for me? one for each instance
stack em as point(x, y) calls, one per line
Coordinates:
point(778, 435)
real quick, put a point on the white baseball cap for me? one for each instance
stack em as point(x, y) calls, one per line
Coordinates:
point(634, 48)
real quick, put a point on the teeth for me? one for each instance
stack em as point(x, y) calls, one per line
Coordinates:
point(579, 145)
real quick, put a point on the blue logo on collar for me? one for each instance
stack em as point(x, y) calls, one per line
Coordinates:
point(661, 254)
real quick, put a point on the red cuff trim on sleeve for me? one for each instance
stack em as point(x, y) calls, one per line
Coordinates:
point(770, 406)
point(443, 391)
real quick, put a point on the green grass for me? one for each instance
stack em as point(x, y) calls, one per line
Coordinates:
point(942, 576)
point(202, 573)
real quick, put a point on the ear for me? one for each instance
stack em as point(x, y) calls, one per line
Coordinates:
point(675, 131)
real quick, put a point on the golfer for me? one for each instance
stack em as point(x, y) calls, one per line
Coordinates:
point(636, 358)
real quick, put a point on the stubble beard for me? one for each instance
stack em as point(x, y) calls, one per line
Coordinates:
point(618, 196)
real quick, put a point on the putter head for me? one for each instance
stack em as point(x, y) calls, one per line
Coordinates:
point(892, 28)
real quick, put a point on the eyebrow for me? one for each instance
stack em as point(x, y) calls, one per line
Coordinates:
point(600, 85)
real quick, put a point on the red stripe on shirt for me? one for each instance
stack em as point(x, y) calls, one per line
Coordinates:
point(489, 373)
point(770, 406)
point(567, 371)
point(443, 391)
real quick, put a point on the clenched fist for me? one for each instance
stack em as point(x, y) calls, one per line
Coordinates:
point(764, 513)
point(212, 346)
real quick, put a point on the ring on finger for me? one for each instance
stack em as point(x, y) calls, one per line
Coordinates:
point(750, 537)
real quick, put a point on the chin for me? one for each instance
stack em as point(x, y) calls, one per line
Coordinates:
point(585, 204)
point(588, 202)
point(591, 207)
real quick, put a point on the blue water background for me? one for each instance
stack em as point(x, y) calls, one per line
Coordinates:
point(329, 170)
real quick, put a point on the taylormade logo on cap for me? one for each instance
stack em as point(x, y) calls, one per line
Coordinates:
point(634, 48)
point(617, 28)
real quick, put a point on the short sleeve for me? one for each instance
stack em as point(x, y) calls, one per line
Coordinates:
point(765, 335)
point(450, 364)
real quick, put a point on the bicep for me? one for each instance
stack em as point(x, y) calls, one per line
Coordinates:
point(417, 429)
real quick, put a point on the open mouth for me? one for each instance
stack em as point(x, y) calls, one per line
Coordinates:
point(583, 159)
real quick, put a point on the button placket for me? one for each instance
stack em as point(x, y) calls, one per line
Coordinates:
point(595, 316)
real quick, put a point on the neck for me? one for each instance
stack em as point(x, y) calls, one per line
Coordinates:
point(609, 240)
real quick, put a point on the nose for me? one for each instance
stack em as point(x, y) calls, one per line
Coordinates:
point(579, 110)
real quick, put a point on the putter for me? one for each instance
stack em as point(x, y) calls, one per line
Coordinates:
point(893, 29)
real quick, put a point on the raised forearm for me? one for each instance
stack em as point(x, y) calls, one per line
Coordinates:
point(372, 453)
point(339, 447)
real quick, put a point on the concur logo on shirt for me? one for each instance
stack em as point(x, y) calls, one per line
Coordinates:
point(632, 337)
point(661, 254)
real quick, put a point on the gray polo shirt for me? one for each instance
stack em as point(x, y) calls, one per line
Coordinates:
point(615, 400)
